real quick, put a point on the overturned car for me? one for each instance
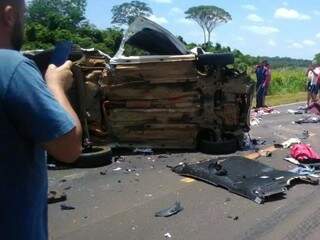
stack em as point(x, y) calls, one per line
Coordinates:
point(167, 98)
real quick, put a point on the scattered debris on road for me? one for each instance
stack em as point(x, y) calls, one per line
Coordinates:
point(144, 151)
point(168, 212)
point(65, 207)
point(234, 218)
point(308, 119)
point(250, 179)
point(167, 235)
point(304, 153)
point(288, 143)
point(117, 169)
point(55, 197)
point(306, 170)
point(295, 112)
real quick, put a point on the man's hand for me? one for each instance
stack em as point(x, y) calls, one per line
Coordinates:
point(68, 147)
point(59, 78)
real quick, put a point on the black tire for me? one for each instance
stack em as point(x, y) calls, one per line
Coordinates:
point(218, 59)
point(97, 157)
point(227, 146)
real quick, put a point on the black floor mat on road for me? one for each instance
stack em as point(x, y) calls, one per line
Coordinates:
point(242, 176)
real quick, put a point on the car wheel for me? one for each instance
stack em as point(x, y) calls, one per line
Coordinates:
point(220, 59)
point(226, 146)
point(96, 156)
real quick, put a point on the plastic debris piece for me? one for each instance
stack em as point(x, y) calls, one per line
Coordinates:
point(51, 166)
point(309, 119)
point(167, 235)
point(55, 197)
point(168, 212)
point(145, 151)
point(65, 207)
point(117, 169)
point(289, 143)
point(268, 154)
point(234, 218)
point(119, 159)
point(295, 111)
point(243, 177)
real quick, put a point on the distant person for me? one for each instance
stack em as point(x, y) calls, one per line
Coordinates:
point(313, 74)
point(261, 81)
point(36, 117)
point(308, 85)
point(268, 77)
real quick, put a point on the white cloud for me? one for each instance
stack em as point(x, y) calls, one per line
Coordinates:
point(316, 12)
point(272, 43)
point(175, 11)
point(158, 19)
point(240, 39)
point(249, 7)
point(162, 1)
point(286, 13)
point(254, 18)
point(261, 30)
point(309, 43)
point(318, 35)
point(296, 45)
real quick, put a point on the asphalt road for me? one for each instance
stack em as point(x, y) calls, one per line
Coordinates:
point(121, 204)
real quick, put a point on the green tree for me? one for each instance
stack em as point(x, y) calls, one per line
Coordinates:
point(317, 58)
point(51, 21)
point(126, 13)
point(54, 14)
point(208, 18)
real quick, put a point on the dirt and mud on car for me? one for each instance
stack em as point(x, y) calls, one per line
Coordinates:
point(167, 97)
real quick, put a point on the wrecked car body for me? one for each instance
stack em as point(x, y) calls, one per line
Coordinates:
point(242, 176)
point(167, 98)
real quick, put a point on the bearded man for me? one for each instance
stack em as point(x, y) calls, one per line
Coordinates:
point(36, 117)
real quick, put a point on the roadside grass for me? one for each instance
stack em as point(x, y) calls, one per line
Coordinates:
point(279, 99)
point(288, 80)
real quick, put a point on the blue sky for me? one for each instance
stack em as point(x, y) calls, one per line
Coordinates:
point(262, 27)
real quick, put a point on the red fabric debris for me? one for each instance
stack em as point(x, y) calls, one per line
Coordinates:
point(304, 153)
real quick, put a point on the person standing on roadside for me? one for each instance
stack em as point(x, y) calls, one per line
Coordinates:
point(313, 74)
point(268, 77)
point(36, 117)
point(261, 81)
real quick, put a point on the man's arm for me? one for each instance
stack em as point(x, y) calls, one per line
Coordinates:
point(41, 113)
point(66, 148)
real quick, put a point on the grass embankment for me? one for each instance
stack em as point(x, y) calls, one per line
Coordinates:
point(288, 85)
point(274, 100)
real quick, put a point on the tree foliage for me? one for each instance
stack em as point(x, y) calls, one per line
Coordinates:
point(50, 21)
point(208, 18)
point(317, 58)
point(126, 13)
point(54, 14)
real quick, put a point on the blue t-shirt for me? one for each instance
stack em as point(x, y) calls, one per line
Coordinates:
point(29, 116)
